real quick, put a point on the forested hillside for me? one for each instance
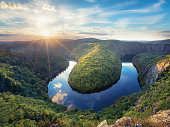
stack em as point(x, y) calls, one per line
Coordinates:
point(23, 98)
point(125, 50)
point(96, 71)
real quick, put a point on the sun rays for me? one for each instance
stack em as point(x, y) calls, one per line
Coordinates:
point(48, 57)
point(47, 45)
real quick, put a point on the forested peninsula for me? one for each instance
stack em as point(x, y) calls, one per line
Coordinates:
point(95, 71)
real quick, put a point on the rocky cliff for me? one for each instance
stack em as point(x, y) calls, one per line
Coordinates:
point(149, 66)
point(154, 71)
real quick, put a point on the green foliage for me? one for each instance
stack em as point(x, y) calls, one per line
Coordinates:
point(84, 49)
point(27, 104)
point(16, 110)
point(116, 110)
point(24, 76)
point(96, 71)
point(36, 61)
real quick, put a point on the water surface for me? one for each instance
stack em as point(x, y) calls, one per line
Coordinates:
point(61, 93)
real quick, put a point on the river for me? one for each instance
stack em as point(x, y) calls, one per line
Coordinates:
point(61, 93)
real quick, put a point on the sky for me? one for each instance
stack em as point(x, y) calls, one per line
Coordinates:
point(139, 20)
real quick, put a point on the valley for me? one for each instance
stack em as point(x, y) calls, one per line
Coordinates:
point(25, 73)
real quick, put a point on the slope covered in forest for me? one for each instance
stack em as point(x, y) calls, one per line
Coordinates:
point(96, 71)
point(23, 97)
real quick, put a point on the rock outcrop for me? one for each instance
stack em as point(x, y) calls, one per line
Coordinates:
point(122, 122)
point(103, 124)
point(161, 118)
point(153, 72)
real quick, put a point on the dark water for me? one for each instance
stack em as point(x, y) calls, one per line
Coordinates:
point(61, 93)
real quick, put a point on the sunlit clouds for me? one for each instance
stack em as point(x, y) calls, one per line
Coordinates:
point(40, 18)
point(48, 7)
point(59, 85)
point(59, 97)
point(12, 6)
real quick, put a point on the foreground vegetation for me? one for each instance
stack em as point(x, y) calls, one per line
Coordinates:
point(95, 71)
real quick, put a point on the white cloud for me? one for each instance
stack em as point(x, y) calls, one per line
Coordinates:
point(156, 7)
point(137, 35)
point(124, 22)
point(143, 28)
point(152, 8)
point(148, 19)
point(12, 6)
point(124, 4)
point(159, 3)
point(59, 85)
point(59, 97)
point(48, 7)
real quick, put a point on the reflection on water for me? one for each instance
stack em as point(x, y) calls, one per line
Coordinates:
point(61, 93)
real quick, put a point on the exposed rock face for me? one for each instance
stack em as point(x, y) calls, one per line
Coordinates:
point(55, 125)
point(103, 124)
point(122, 122)
point(153, 72)
point(161, 118)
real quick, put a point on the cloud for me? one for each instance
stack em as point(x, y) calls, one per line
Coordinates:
point(148, 19)
point(124, 4)
point(152, 8)
point(124, 22)
point(156, 7)
point(159, 3)
point(12, 6)
point(59, 97)
point(48, 7)
point(143, 28)
point(91, 1)
point(59, 85)
point(165, 33)
point(138, 35)
point(6, 35)
point(93, 33)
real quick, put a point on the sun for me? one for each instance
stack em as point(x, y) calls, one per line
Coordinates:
point(44, 26)
point(45, 33)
